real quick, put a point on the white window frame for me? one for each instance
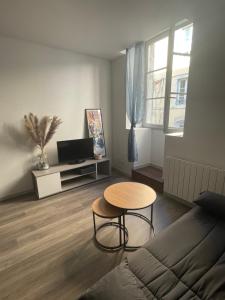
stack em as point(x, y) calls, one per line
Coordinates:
point(160, 36)
point(170, 33)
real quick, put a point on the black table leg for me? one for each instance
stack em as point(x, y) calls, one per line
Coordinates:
point(153, 229)
point(144, 218)
point(118, 225)
point(124, 233)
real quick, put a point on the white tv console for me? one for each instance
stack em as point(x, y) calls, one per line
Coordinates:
point(60, 178)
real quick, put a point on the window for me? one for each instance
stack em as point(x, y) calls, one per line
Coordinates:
point(181, 91)
point(157, 52)
point(167, 72)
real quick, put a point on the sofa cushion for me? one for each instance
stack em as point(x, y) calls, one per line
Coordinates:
point(212, 203)
point(118, 284)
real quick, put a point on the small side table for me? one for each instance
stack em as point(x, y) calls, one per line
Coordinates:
point(131, 196)
point(103, 209)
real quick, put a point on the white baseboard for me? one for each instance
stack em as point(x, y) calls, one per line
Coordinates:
point(156, 166)
point(147, 165)
point(141, 166)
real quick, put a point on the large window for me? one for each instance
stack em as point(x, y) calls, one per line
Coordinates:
point(167, 71)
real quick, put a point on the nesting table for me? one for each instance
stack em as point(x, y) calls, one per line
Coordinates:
point(131, 196)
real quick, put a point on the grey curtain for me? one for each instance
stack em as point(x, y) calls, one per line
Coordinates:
point(135, 94)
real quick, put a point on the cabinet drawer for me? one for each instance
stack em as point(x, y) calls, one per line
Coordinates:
point(48, 185)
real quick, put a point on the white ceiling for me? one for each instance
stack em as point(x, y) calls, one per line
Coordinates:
point(98, 27)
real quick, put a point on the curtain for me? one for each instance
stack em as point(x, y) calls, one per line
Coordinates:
point(134, 94)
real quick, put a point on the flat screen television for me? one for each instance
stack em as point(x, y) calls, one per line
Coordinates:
point(75, 151)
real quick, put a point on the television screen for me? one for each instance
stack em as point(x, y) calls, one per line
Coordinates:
point(74, 150)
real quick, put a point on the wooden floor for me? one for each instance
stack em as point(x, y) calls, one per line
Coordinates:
point(46, 246)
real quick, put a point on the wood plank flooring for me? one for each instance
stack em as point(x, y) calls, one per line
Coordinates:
point(46, 246)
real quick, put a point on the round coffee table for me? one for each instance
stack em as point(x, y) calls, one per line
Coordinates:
point(131, 196)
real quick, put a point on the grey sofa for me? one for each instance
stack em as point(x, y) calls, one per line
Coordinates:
point(186, 261)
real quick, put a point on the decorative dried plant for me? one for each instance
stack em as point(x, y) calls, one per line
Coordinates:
point(41, 131)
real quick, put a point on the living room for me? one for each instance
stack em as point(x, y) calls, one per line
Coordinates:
point(149, 75)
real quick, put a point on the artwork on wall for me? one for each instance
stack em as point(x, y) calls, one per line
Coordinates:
point(95, 129)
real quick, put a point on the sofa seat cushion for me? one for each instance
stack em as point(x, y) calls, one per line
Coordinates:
point(119, 284)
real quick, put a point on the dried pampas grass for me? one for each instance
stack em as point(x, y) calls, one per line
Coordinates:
point(41, 131)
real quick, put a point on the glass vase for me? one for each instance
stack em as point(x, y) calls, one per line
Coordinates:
point(43, 161)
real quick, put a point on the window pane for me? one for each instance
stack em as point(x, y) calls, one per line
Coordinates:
point(154, 111)
point(183, 39)
point(157, 54)
point(156, 82)
point(182, 83)
point(180, 71)
point(180, 99)
point(177, 112)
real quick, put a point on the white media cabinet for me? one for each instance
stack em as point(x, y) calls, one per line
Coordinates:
point(64, 177)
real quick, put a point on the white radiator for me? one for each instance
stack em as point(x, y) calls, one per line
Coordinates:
point(185, 179)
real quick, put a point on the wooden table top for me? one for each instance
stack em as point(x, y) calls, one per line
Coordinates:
point(105, 210)
point(130, 195)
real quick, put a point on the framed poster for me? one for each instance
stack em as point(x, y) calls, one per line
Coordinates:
point(95, 130)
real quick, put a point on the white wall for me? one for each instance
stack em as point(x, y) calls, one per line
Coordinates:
point(157, 147)
point(150, 142)
point(45, 81)
point(204, 135)
point(119, 132)
point(143, 139)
